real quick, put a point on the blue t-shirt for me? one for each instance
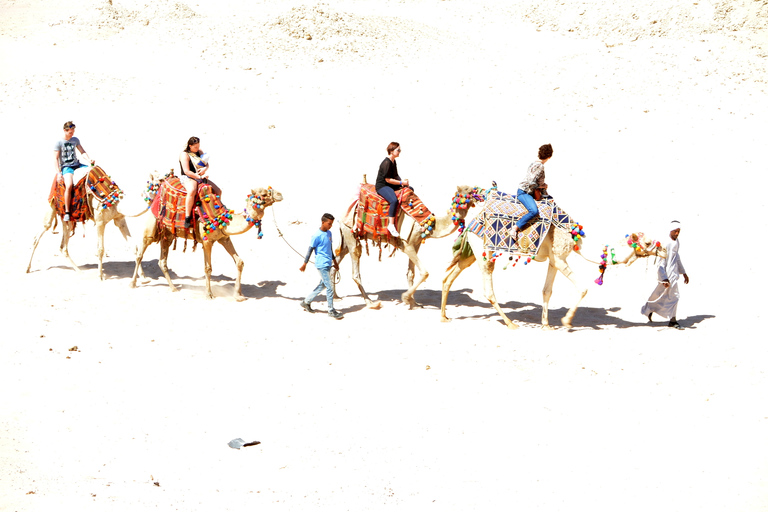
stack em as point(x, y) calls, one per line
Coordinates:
point(322, 243)
point(67, 155)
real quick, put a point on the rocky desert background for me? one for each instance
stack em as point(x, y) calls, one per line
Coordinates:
point(124, 399)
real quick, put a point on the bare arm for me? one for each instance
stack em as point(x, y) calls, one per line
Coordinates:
point(58, 169)
point(82, 152)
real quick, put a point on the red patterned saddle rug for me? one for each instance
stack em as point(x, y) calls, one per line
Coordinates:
point(100, 186)
point(372, 212)
point(170, 210)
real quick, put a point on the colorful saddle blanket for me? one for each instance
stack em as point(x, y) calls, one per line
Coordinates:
point(501, 211)
point(100, 186)
point(372, 215)
point(170, 210)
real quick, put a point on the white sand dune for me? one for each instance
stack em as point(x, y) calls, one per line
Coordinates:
point(656, 111)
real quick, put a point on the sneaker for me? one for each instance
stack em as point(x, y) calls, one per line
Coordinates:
point(676, 325)
point(393, 230)
point(66, 217)
point(335, 314)
point(307, 307)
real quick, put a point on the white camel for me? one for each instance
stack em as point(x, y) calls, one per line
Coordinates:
point(556, 247)
point(445, 225)
point(240, 223)
point(101, 217)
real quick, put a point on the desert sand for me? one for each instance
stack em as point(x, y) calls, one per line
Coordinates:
point(124, 399)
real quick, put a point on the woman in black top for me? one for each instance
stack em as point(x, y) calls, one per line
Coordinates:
point(387, 181)
point(193, 174)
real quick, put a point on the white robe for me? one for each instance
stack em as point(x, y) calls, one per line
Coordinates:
point(663, 301)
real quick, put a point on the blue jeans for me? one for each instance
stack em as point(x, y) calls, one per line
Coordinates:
point(388, 193)
point(530, 204)
point(325, 282)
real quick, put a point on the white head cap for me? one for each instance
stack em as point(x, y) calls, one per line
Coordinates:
point(675, 224)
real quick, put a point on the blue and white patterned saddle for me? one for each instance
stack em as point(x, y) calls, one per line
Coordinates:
point(501, 211)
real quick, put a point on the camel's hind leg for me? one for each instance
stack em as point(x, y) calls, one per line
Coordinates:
point(165, 247)
point(413, 262)
point(50, 217)
point(147, 239)
point(486, 269)
point(64, 247)
point(239, 263)
point(558, 263)
point(207, 249)
point(450, 277)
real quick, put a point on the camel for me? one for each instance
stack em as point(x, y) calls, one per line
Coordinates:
point(445, 225)
point(556, 247)
point(256, 203)
point(101, 217)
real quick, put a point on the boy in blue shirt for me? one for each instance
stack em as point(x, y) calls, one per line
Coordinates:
point(322, 244)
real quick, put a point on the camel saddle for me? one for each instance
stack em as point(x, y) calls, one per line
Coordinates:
point(501, 211)
point(372, 217)
point(100, 186)
point(169, 208)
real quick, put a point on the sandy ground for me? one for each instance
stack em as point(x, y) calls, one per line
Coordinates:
point(656, 111)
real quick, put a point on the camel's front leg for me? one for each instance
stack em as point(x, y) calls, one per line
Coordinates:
point(448, 280)
point(207, 247)
point(239, 263)
point(414, 261)
point(564, 269)
point(486, 269)
point(50, 216)
point(100, 225)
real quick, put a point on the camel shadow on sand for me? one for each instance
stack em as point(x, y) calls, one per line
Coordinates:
point(529, 313)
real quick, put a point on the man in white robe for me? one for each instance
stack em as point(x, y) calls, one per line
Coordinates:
point(663, 301)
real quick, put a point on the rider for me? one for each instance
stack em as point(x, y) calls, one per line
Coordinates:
point(193, 171)
point(67, 162)
point(533, 182)
point(388, 181)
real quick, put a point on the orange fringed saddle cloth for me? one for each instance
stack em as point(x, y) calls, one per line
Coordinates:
point(372, 212)
point(169, 208)
point(100, 185)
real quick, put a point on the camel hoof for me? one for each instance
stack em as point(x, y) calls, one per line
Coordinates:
point(512, 326)
point(567, 324)
point(174, 289)
point(132, 284)
point(547, 327)
point(374, 305)
point(445, 319)
point(240, 298)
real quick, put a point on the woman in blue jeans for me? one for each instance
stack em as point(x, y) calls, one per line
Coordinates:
point(388, 181)
point(534, 179)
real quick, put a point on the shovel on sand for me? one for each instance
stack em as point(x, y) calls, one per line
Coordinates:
point(239, 443)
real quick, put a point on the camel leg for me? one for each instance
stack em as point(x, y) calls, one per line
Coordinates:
point(140, 256)
point(239, 263)
point(64, 247)
point(122, 225)
point(562, 265)
point(50, 216)
point(100, 225)
point(355, 256)
point(165, 246)
point(547, 293)
point(414, 261)
point(486, 269)
point(343, 251)
point(448, 280)
point(207, 247)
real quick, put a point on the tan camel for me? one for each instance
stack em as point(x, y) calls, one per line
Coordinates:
point(259, 199)
point(556, 247)
point(101, 217)
point(444, 226)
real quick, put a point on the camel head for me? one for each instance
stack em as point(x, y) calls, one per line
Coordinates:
point(642, 246)
point(259, 199)
point(466, 197)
